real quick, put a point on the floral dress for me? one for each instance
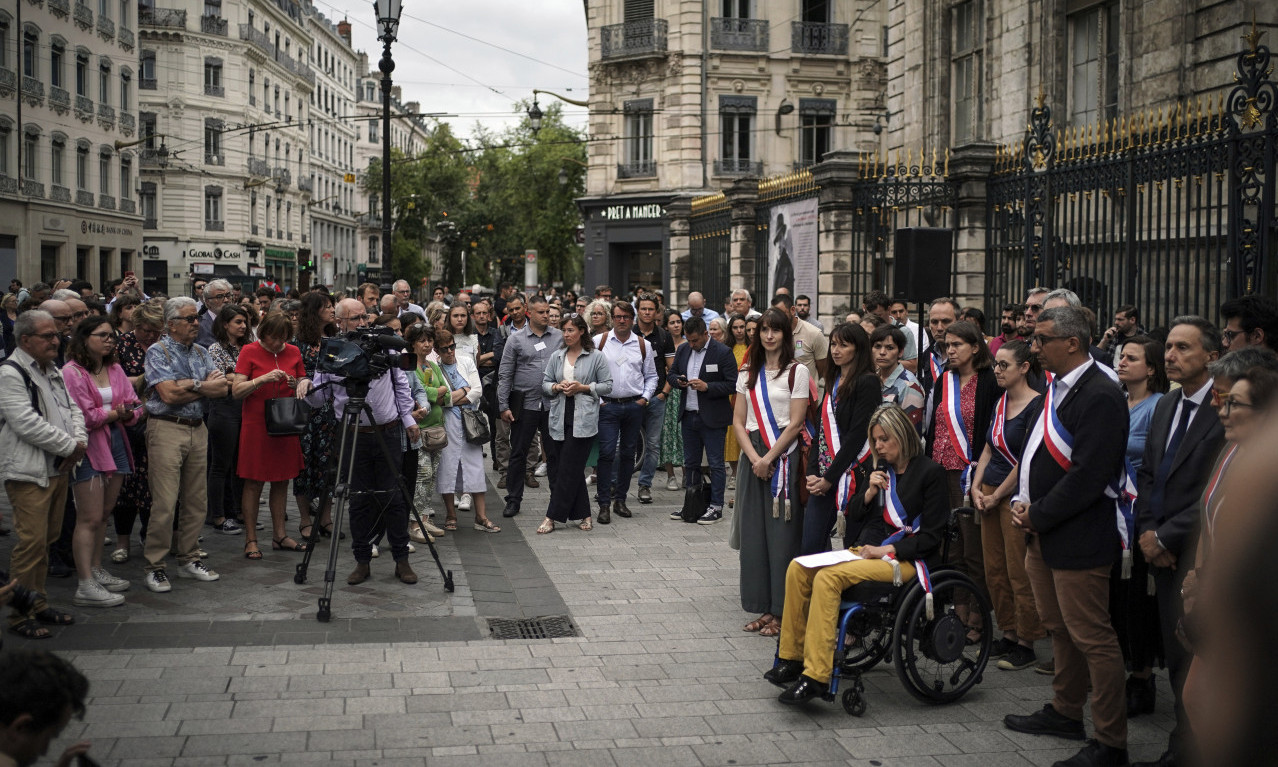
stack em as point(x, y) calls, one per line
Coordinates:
point(671, 433)
point(136, 491)
point(320, 438)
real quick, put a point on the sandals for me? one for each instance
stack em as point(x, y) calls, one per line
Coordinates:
point(586, 525)
point(759, 623)
point(277, 544)
point(486, 526)
point(327, 532)
point(772, 629)
point(450, 525)
point(255, 554)
point(51, 617)
point(302, 530)
point(547, 526)
point(29, 629)
point(120, 556)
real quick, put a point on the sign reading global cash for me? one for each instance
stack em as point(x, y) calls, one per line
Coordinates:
point(201, 252)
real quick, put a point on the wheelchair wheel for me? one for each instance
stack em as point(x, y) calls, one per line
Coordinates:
point(873, 641)
point(932, 656)
point(854, 700)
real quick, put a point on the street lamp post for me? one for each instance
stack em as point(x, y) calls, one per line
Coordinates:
point(388, 12)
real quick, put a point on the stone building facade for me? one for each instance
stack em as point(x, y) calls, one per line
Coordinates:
point(687, 97)
point(68, 116)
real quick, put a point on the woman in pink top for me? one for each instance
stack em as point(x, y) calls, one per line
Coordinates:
point(99, 386)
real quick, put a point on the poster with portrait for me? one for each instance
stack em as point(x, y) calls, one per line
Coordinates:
point(792, 248)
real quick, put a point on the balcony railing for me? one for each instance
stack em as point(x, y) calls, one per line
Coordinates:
point(214, 226)
point(126, 37)
point(106, 28)
point(270, 233)
point(818, 38)
point(289, 237)
point(305, 239)
point(59, 193)
point(737, 167)
point(8, 82)
point(146, 83)
point(106, 116)
point(634, 39)
point(149, 158)
point(32, 90)
point(282, 176)
point(128, 206)
point(150, 223)
point(128, 123)
point(150, 16)
point(254, 230)
point(214, 90)
point(258, 39)
point(639, 169)
point(305, 184)
point(60, 7)
point(8, 185)
point(59, 99)
point(728, 34)
point(252, 99)
point(84, 198)
point(106, 202)
point(32, 188)
point(214, 158)
point(258, 167)
point(83, 16)
point(84, 108)
point(213, 25)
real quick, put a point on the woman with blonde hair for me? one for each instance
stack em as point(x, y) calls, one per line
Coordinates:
point(599, 316)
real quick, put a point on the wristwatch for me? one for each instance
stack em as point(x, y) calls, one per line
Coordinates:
point(195, 385)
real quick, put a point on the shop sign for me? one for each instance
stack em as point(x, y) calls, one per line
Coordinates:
point(631, 212)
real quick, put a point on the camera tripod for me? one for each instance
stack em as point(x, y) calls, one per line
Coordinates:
point(357, 405)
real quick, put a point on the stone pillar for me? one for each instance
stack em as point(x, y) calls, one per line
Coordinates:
point(679, 237)
point(970, 169)
point(835, 176)
point(743, 196)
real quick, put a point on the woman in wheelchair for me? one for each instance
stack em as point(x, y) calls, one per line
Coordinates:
point(908, 501)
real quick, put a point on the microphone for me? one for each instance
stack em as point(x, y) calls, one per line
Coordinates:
point(882, 465)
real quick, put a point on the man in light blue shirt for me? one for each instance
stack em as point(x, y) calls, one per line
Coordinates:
point(634, 382)
point(697, 308)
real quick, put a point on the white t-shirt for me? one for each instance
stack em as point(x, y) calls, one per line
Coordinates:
point(779, 394)
point(467, 345)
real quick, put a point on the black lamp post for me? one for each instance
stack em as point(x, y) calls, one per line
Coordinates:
point(388, 26)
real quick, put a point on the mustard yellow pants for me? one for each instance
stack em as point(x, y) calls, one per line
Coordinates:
point(809, 622)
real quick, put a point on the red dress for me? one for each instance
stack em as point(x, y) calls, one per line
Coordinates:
point(264, 458)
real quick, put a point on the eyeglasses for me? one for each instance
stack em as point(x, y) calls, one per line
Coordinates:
point(1001, 365)
point(1227, 404)
point(216, 296)
point(46, 336)
point(112, 336)
point(449, 348)
point(62, 317)
point(191, 318)
point(1042, 340)
point(620, 317)
point(80, 315)
point(1226, 336)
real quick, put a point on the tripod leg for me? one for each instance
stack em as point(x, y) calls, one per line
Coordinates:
point(446, 575)
point(341, 497)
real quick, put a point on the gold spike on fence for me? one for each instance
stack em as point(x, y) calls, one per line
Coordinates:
point(792, 184)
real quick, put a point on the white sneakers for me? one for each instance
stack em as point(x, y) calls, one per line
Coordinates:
point(109, 581)
point(540, 471)
point(197, 570)
point(158, 581)
point(465, 502)
point(92, 594)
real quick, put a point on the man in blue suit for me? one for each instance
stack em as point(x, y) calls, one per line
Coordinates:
point(706, 371)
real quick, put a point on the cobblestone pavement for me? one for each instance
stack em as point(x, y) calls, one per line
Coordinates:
point(240, 672)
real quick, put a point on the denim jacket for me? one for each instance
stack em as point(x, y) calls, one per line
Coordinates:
point(593, 370)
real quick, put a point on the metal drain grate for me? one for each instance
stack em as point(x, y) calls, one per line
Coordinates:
point(545, 627)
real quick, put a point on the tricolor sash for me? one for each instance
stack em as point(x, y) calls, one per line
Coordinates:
point(846, 484)
point(998, 433)
point(1060, 444)
point(951, 406)
point(770, 432)
point(936, 364)
point(894, 515)
point(1213, 494)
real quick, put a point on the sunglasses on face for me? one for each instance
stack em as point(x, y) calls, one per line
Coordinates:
point(190, 318)
point(446, 349)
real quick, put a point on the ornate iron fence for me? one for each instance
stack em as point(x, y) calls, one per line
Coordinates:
point(710, 230)
point(1170, 211)
point(909, 190)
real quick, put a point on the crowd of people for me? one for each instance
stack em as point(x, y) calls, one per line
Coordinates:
point(1094, 459)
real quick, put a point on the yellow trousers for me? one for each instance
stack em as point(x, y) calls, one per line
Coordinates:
point(809, 622)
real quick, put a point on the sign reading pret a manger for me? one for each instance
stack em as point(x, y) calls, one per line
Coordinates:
point(631, 212)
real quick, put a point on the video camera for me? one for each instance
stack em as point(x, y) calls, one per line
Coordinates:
point(364, 354)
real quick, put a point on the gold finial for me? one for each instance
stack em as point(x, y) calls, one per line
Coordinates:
point(947, 161)
point(1041, 100)
point(1252, 38)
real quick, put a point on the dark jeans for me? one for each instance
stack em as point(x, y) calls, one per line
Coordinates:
point(698, 436)
point(377, 506)
point(619, 424)
point(569, 498)
point(819, 517)
point(527, 424)
point(1171, 607)
point(224, 446)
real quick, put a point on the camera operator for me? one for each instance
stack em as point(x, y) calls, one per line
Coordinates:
point(376, 504)
point(39, 693)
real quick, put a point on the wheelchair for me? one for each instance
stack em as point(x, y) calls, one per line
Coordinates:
point(882, 622)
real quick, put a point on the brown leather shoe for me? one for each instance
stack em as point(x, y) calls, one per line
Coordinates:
point(501, 482)
point(405, 573)
point(358, 575)
point(531, 481)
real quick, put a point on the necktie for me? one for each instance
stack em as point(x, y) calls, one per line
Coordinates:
point(1164, 467)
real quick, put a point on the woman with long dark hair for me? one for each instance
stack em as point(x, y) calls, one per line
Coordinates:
point(993, 485)
point(576, 378)
point(671, 433)
point(122, 310)
point(231, 329)
point(99, 387)
point(963, 400)
point(772, 401)
point(313, 488)
point(838, 462)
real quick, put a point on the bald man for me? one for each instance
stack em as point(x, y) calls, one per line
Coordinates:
point(697, 308)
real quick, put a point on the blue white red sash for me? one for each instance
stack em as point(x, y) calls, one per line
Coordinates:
point(1213, 488)
point(770, 432)
point(998, 433)
point(951, 406)
point(846, 484)
point(936, 364)
point(894, 516)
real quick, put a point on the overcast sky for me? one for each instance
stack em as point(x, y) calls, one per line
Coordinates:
point(484, 81)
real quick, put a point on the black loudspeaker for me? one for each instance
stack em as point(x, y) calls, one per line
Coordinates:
point(923, 261)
